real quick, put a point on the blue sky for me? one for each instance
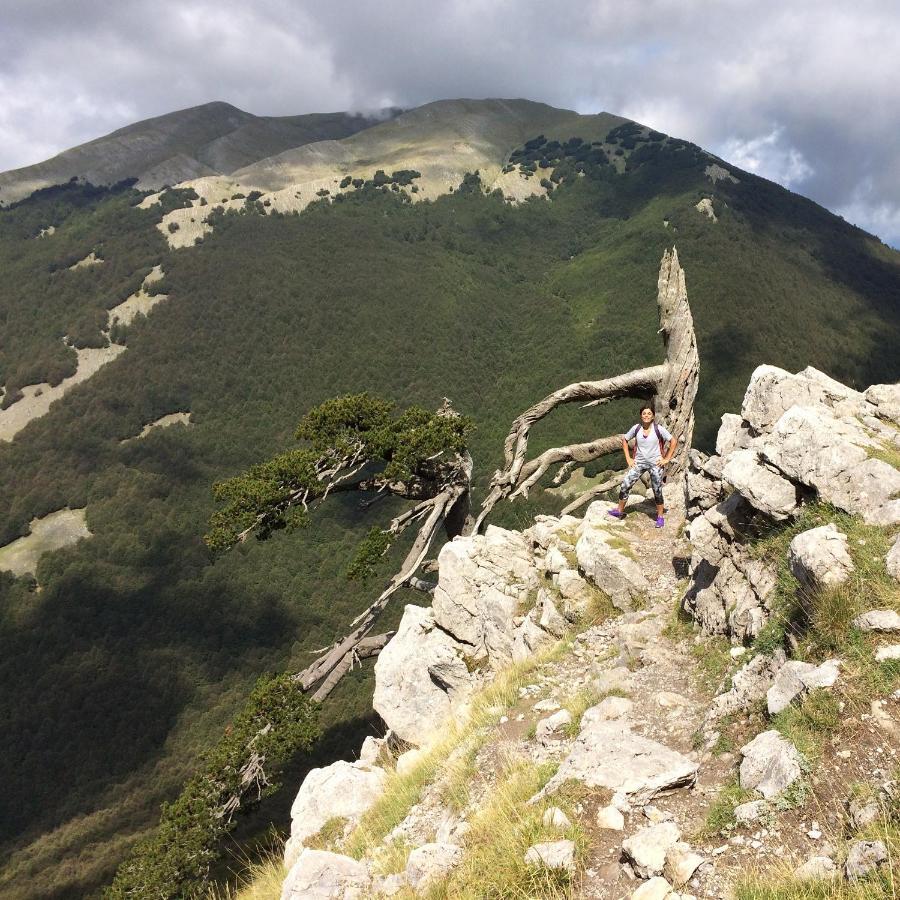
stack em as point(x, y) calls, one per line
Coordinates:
point(805, 93)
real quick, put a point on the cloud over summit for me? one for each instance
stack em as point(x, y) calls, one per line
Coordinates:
point(806, 94)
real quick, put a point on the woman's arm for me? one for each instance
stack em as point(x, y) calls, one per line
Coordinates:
point(627, 451)
point(670, 452)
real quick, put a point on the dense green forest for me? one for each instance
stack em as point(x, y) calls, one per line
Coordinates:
point(133, 650)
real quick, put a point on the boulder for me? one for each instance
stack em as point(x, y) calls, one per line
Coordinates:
point(548, 729)
point(419, 675)
point(749, 684)
point(614, 572)
point(764, 488)
point(431, 862)
point(892, 561)
point(573, 587)
point(891, 651)
point(681, 863)
point(406, 762)
point(770, 764)
point(863, 811)
point(319, 875)
point(819, 559)
point(886, 400)
point(611, 755)
point(796, 678)
point(372, 750)
point(773, 391)
point(647, 847)
point(878, 620)
point(863, 857)
point(610, 818)
point(655, 889)
point(342, 790)
point(607, 709)
point(830, 455)
point(752, 811)
point(552, 855)
point(554, 817)
point(816, 868)
point(734, 434)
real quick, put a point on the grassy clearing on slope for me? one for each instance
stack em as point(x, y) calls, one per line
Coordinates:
point(884, 884)
point(494, 866)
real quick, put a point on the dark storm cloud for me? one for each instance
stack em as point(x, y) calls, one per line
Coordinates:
point(804, 93)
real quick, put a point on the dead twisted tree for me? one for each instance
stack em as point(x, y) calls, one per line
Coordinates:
point(672, 386)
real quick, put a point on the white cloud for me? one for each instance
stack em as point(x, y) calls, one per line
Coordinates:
point(769, 156)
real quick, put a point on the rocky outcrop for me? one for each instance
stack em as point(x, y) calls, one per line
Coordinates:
point(342, 790)
point(798, 437)
point(319, 875)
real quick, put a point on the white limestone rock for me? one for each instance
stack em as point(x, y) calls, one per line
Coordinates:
point(764, 488)
point(647, 847)
point(619, 576)
point(554, 817)
point(656, 888)
point(549, 729)
point(341, 790)
point(752, 811)
point(892, 561)
point(830, 455)
point(607, 709)
point(749, 684)
point(419, 676)
point(319, 875)
point(770, 764)
point(552, 855)
point(878, 620)
point(482, 581)
point(891, 651)
point(864, 857)
point(816, 868)
point(573, 587)
point(681, 863)
point(773, 391)
point(611, 755)
point(734, 434)
point(610, 818)
point(431, 862)
point(886, 400)
point(373, 749)
point(819, 558)
point(796, 678)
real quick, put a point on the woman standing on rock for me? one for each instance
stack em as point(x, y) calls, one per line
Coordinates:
point(650, 456)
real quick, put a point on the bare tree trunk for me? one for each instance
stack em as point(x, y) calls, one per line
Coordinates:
point(672, 385)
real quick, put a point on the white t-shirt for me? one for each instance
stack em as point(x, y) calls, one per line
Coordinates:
point(647, 443)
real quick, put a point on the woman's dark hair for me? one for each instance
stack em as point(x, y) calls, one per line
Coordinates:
point(646, 406)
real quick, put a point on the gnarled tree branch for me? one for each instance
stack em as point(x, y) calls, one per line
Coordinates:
point(672, 385)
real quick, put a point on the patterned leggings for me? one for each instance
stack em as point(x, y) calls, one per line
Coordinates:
point(635, 472)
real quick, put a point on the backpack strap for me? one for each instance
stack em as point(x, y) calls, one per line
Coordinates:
point(659, 437)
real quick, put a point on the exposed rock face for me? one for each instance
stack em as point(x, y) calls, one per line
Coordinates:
point(482, 584)
point(798, 437)
point(319, 875)
point(431, 862)
point(343, 789)
point(418, 676)
point(492, 607)
point(770, 765)
point(818, 558)
point(609, 754)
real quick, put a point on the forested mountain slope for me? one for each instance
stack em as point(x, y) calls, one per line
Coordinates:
point(131, 650)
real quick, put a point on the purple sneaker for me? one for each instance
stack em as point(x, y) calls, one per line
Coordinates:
point(660, 521)
point(616, 514)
